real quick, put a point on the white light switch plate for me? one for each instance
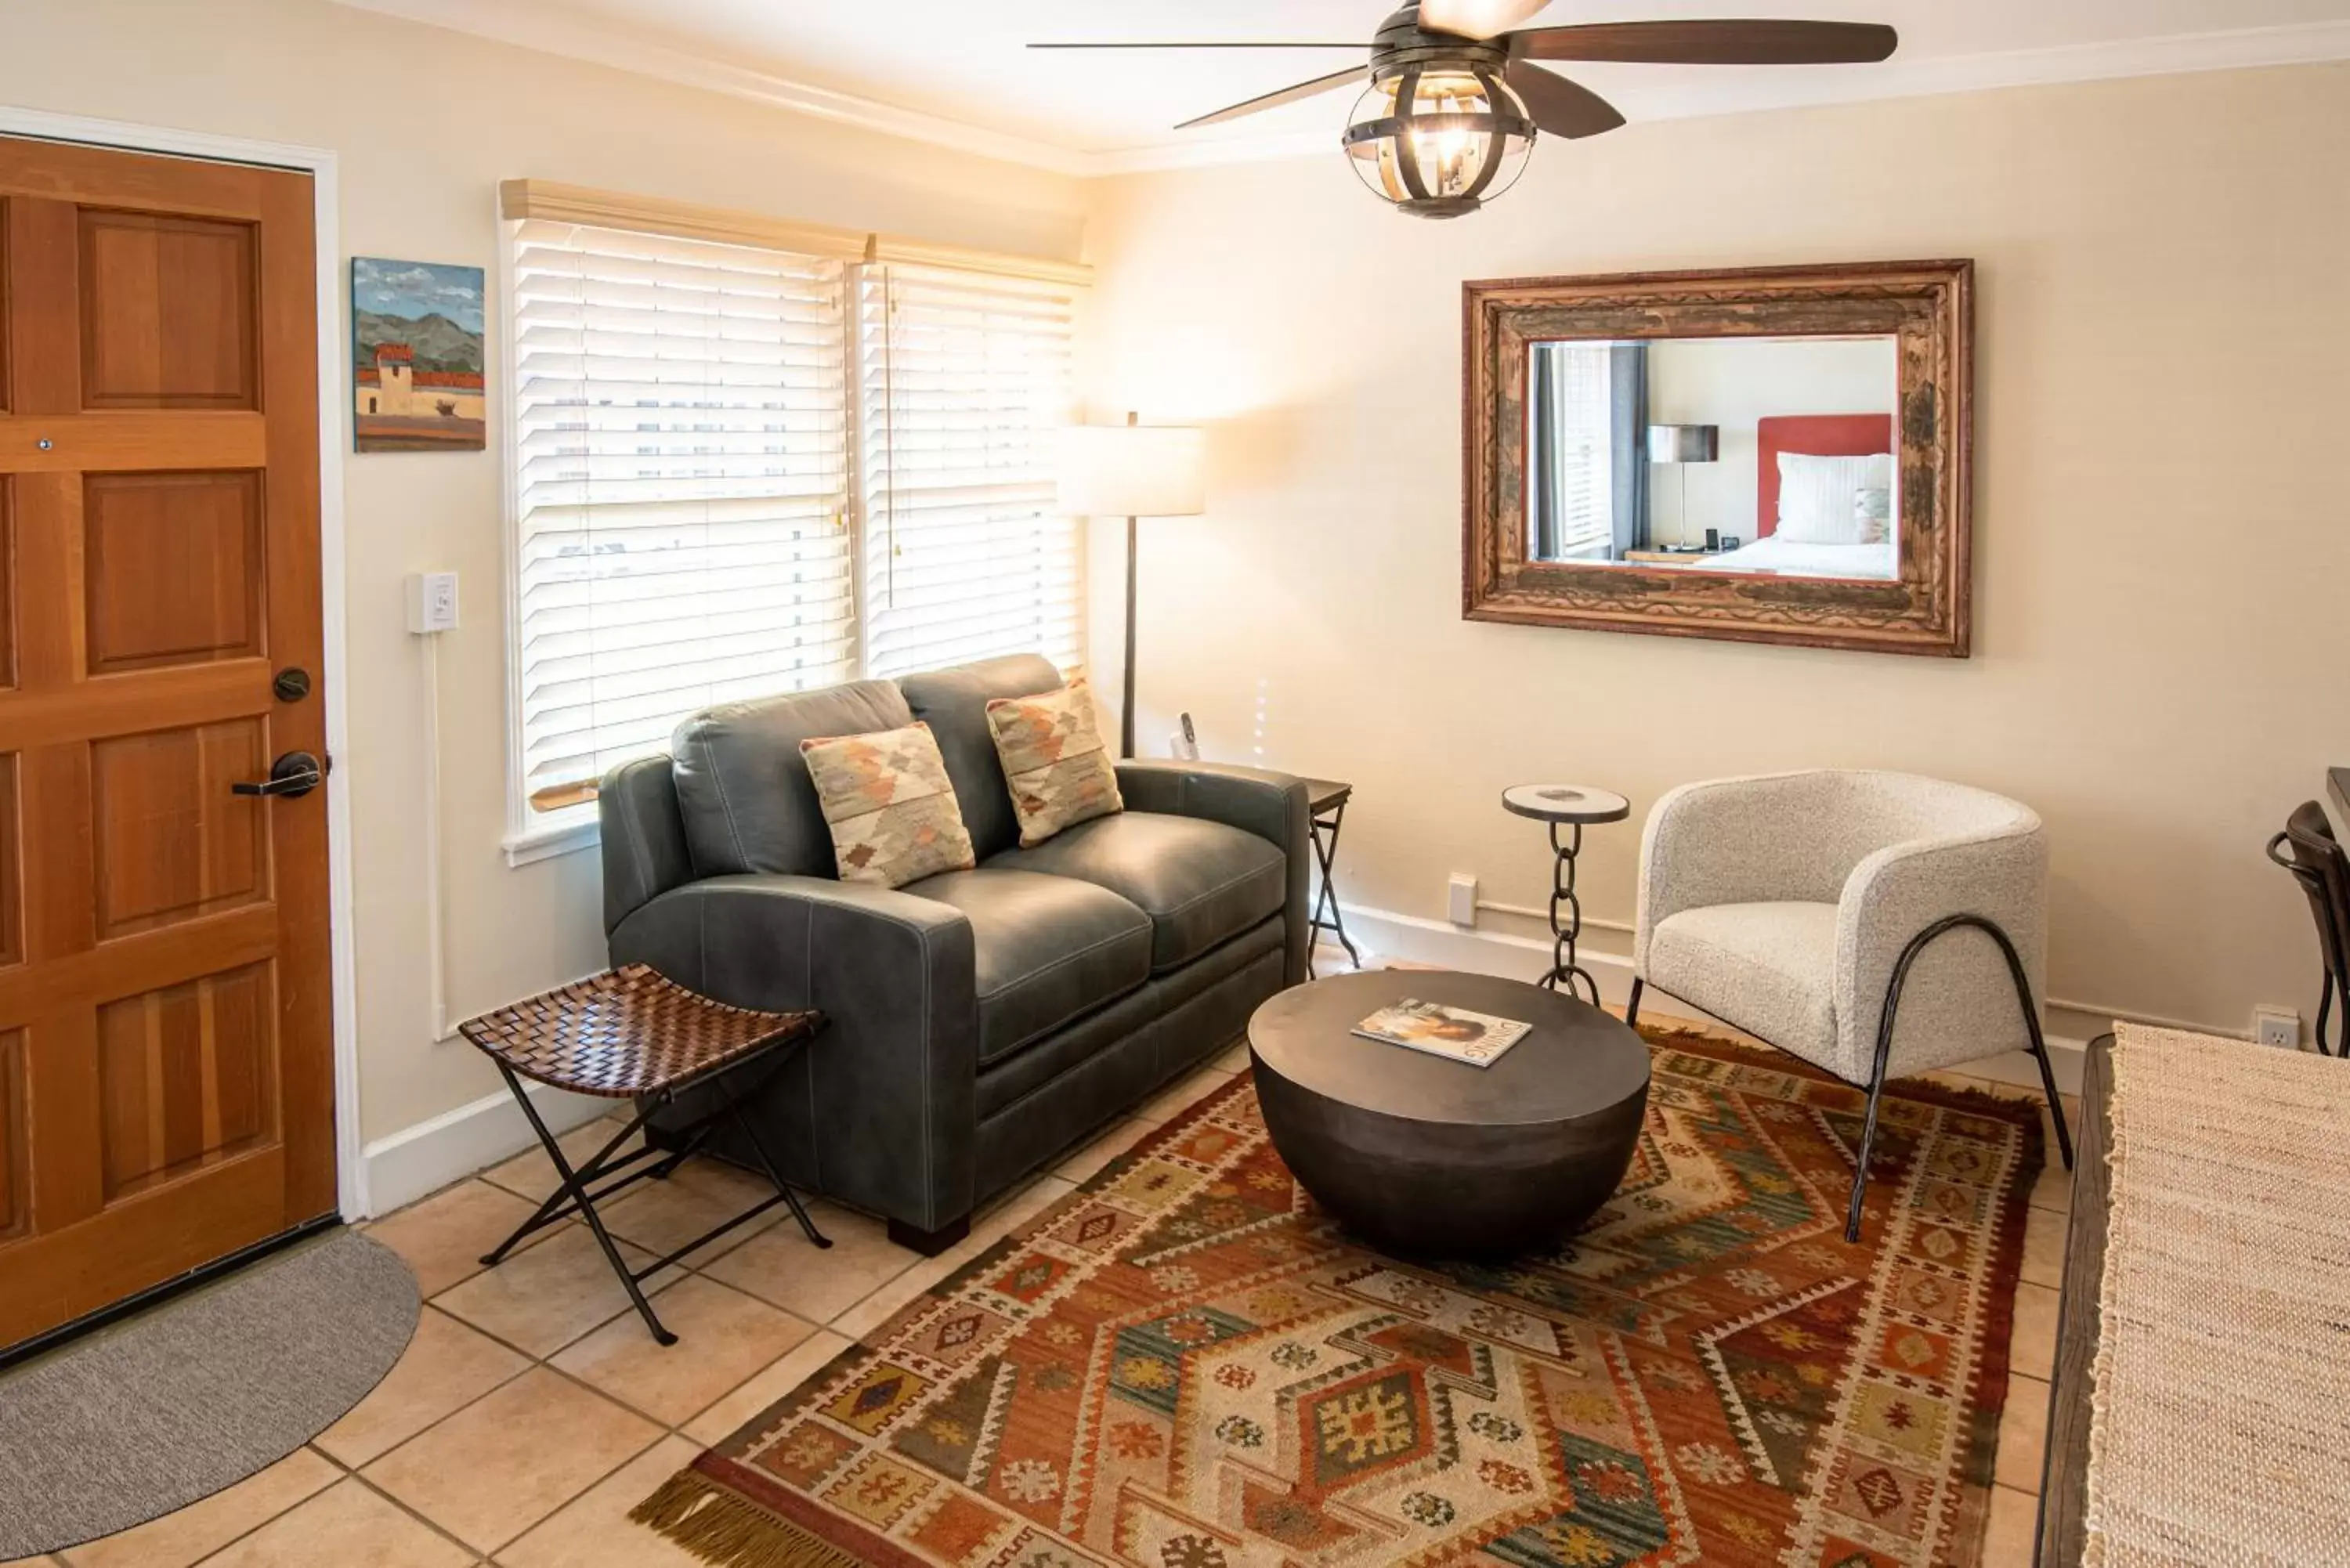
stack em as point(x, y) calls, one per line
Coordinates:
point(432, 602)
point(1460, 900)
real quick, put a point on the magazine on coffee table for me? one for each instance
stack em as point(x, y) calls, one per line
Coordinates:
point(1454, 1033)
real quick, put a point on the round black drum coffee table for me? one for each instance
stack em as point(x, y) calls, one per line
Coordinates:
point(1427, 1157)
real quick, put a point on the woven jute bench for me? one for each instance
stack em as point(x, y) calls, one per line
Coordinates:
point(631, 1034)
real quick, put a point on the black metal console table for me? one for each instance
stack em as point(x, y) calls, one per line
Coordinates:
point(1571, 806)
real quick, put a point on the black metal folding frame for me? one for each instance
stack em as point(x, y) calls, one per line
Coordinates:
point(573, 1195)
point(1323, 828)
point(1888, 1014)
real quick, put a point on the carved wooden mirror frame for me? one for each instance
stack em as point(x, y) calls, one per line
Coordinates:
point(1925, 306)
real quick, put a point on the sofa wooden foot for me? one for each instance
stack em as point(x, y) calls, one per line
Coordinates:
point(930, 1243)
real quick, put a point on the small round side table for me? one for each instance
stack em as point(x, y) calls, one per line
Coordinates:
point(1570, 806)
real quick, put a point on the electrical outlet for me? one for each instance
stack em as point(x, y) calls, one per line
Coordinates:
point(432, 602)
point(1460, 900)
point(2277, 1026)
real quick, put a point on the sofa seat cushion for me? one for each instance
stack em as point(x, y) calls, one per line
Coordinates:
point(1770, 969)
point(1202, 882)
point(1047, 950)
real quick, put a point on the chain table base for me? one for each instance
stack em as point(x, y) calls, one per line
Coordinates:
point(1566, 916)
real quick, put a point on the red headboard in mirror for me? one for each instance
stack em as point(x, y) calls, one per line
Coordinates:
point(1817, 435)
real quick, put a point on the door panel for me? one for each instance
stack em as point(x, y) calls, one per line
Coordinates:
point(186, 1076)
point(171, 841)
point(7, 574)
point(166, 1078)
point(173, 568)
point(13, 1141)
point(167, 317)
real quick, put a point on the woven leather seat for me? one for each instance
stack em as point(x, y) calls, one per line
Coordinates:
point(628, 1032)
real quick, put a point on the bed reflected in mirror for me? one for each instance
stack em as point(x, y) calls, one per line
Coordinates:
point(1771, 455)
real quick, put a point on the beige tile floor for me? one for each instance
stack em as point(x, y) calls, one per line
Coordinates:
point(532, 1410)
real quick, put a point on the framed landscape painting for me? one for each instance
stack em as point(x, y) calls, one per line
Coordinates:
point(417, 381)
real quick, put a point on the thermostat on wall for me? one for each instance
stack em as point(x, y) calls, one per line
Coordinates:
point(431, 601)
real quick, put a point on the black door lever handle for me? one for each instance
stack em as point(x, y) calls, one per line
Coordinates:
point(294, 774)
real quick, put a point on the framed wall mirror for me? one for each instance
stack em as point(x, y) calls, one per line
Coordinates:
point(1766, 455)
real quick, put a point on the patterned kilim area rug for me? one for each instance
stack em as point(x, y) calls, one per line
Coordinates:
point(1186, 1364)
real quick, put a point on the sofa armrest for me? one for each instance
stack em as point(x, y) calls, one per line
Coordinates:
point(1270, 805)
point(893, 1078)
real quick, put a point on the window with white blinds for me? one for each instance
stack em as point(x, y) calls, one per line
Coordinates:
point(1582, 468)
point(681, 430)
point(962, 381)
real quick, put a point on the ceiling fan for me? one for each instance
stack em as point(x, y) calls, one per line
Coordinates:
point(1455, 97)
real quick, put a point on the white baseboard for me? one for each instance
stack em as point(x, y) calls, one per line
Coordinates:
point(1386, 934)
point(456, 1143)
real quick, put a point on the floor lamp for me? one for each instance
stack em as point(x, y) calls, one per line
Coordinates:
point(1132, 471)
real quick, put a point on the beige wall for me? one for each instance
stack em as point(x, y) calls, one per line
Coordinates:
point(2162, 662)
point(310, 73)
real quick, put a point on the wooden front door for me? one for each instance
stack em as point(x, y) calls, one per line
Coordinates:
point(166, 1065)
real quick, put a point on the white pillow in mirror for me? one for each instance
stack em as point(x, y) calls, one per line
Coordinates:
point(1818, 495)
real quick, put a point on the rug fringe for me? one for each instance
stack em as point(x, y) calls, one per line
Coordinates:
point(703, 1518)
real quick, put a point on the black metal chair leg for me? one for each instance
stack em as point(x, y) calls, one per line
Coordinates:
point(2325, 1006)
point(578, 1191)
point(1891, 1009)
point(1632, 1008)
point(767, 1164)
point(553, 1207)
point(2039, 1045)
point(2056, 1101)
point(1867, 1145)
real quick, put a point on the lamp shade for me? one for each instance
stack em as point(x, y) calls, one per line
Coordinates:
point(1133, 471)
point(1684, 444)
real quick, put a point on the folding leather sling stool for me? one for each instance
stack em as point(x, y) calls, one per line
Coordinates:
point(630, 1035)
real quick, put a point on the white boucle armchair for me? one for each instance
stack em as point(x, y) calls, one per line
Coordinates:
point(1873, 924)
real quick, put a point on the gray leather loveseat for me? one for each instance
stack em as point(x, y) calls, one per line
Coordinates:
point(981, 1021)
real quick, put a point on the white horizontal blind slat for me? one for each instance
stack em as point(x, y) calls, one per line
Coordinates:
point(680, 434)
point(964, 380)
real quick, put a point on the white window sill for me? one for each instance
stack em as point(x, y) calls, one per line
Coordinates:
point(534, 845)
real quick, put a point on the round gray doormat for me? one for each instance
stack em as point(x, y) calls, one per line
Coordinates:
point(195, 1395)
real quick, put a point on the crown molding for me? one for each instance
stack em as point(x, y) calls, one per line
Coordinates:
point(532, 29)
point(1658, 96)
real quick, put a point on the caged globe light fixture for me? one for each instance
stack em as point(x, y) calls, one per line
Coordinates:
point(1438, 139)
point(1457, 90)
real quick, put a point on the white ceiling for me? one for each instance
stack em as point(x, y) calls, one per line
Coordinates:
point(939, 68)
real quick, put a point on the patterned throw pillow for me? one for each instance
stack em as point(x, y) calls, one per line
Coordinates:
point(1872, 512)
point(890, 806)
point(1054, 760)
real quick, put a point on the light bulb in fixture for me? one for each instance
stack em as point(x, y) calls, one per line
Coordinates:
point(1437, 137)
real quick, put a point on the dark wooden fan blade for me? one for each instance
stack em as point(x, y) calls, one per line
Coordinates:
point(1725, 43)
point(1286, 95)
point(1476, 18)
point(1252, 44)
point(1559, 107)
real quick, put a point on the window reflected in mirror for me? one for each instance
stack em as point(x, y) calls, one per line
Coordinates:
point(1770, 455)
